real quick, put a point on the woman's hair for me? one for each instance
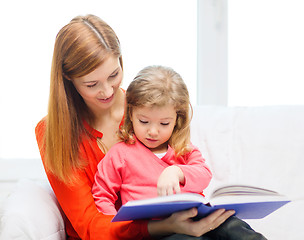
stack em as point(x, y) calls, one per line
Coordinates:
point(80, 47)
point(158, 86)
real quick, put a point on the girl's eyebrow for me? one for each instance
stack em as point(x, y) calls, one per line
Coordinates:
point(161, 119)
point(141, 115)
point(167, 118)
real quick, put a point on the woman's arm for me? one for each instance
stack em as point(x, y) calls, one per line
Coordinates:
point(79, 207)
point(83, 219)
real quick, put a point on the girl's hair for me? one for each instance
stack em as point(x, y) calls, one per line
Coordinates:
point(80, 47)
point(158, 86)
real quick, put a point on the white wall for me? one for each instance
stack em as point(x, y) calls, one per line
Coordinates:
point(151, 32)
point(265, 52)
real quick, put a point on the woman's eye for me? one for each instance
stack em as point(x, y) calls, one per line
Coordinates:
point(91, 85)
point(114, 75)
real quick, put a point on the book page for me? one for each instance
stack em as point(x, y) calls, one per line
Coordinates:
point(244, 194)
point(182, 197)
point(242, 190)
point(237, 199)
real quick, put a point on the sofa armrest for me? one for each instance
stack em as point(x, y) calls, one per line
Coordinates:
point(31, 211)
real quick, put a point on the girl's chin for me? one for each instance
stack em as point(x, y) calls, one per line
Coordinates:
point(155, 148)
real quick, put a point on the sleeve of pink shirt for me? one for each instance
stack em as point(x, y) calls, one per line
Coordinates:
point(197, 173)
point(107, 182)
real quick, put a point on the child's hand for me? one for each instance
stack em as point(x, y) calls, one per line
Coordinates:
point(169, 181)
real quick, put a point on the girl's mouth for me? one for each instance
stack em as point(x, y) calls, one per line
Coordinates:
point(151, 140)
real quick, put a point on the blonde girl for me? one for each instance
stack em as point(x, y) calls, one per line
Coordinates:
point(155, 137)
point(156, 156)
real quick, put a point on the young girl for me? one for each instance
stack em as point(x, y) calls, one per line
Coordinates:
point(155, 157)
point(156, 149)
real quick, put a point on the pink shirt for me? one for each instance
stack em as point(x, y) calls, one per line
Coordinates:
point(132, 172)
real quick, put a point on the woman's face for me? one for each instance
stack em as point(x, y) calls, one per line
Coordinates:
point(98, 89)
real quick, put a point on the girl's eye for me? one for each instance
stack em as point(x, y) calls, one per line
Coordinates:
point(143, 122)
point(165, 124)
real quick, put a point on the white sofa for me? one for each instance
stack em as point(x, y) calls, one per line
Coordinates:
point(260, 146)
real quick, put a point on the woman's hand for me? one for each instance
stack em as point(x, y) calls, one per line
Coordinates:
point(182, 223)
point(169, 181)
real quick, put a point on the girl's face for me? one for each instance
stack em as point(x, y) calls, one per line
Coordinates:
point(98, 88)
point(153, 126)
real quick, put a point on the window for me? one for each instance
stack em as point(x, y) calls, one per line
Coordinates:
point(265, 52)
point(250, 53)
point(151, 32)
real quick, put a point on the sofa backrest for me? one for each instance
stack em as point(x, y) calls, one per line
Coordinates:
point(260, 146)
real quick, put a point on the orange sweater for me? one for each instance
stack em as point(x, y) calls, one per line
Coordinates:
point(84, 221)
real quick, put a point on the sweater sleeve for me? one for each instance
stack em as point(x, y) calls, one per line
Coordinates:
point(83, 220)
point(108, 180)
point(197, 174)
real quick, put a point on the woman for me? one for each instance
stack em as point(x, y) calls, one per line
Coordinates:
point(86, 108)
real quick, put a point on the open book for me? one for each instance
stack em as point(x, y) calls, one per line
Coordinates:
point(248, 203)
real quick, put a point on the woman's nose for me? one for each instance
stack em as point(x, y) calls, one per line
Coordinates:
point(106, 90)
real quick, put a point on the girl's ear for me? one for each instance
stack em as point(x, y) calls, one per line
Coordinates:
point(179, 121)
point(177, 117)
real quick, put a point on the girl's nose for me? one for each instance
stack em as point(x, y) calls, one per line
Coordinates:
point(153, 131)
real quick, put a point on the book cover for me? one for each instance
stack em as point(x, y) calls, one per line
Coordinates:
point(247, 201)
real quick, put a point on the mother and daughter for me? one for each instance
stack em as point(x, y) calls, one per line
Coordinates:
point(140, 151)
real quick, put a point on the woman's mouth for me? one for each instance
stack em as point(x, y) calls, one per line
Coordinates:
point(106, 100)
